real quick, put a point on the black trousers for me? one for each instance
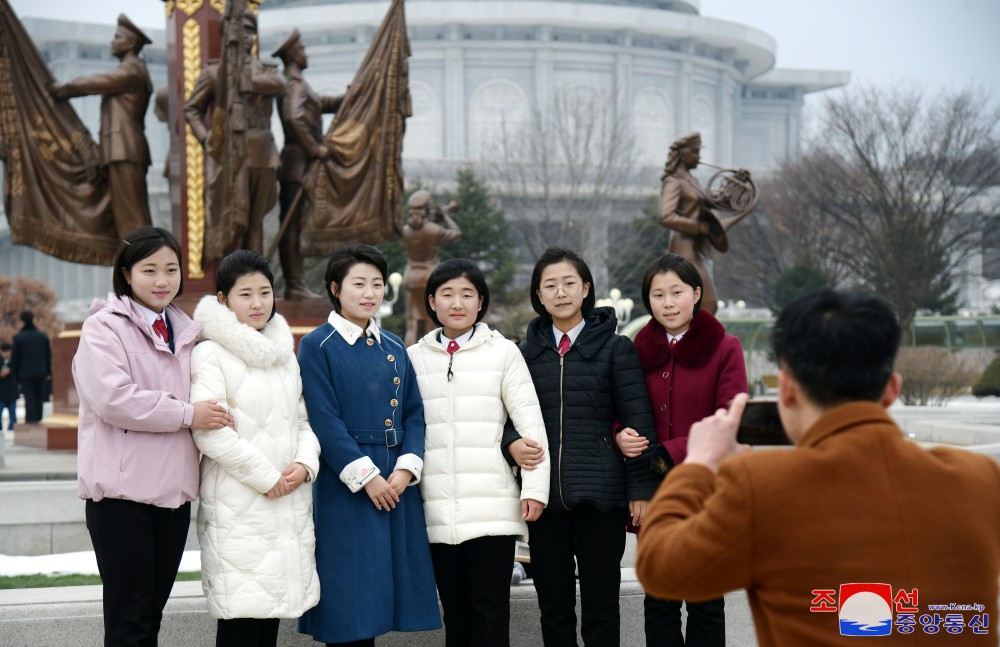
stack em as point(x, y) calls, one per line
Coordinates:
point(473, 582)
point(35, 391)
point(706, 623)
point(367, 642)
point(597, 539)
point(247, 632)
point(139, 549)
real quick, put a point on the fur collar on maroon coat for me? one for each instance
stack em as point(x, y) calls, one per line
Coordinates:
point(694, 348)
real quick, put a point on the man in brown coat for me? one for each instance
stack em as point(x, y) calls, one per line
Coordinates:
point(124, 149)
point(262, 154)
point(301, 111)
point(855, 531)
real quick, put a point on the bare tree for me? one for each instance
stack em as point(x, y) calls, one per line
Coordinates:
point(890, 195)
point(560, 173)
point(26, 294)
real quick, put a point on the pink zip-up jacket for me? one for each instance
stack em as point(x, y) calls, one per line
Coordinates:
point(134, 437)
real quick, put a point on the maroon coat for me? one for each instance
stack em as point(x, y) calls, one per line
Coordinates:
point(703, 372)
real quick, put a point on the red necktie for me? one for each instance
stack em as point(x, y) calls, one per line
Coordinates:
point(452, 347)
point(673, 342)
point(564, 345)
point(160, 328)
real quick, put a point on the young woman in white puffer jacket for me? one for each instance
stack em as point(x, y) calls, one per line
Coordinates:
point(471, 379)
point(255, 521)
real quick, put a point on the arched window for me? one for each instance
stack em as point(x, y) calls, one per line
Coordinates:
point(653, 120)
point(423, 138)
point(497, 108)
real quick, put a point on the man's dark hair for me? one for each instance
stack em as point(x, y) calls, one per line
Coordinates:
point(27, 318)
point(243, 262)
point(139, 244)
point(347, 257)
point(4, 346)
point(683, 268)
point(839, 345)
point(554, 255)
point(452, 269)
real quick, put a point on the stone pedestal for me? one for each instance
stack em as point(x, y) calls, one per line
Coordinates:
point(55, 432)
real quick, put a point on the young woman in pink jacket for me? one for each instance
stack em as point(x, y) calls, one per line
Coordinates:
point(137, 464)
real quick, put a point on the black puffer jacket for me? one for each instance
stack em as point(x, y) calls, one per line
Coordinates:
point(582, 394)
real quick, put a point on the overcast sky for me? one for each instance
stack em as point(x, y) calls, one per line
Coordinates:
point(932, 44)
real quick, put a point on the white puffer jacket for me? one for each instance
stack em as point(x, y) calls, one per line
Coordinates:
point(468, 488)
point(257, 554)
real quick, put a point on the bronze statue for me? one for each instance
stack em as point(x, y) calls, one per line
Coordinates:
point(265, 84)
point(301, 111)
point(124, 149)
point(422, 236)
point(686, 208)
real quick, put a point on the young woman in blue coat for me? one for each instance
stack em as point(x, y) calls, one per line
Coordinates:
point(361, 395)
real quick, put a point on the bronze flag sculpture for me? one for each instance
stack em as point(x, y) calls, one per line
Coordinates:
point(55, 187)
point(356, 194)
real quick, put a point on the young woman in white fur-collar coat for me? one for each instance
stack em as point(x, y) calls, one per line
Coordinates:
point(255, 519)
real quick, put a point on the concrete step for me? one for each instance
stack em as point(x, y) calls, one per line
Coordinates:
point(72, 616)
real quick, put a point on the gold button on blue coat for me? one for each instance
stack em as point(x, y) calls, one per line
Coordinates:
point(394, 402)
point(370, 341)
point(395, 380)
point(388, 422)
point(391, 358)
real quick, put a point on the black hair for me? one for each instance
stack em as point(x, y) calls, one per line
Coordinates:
point(27, 317)
point(344, 259)
point(554, 255)
point(683, 268)
point(452, 269)
point(240, 263)
point(839, 345)
point(139, 244)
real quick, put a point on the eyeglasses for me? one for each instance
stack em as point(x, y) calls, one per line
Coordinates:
point(569, 288)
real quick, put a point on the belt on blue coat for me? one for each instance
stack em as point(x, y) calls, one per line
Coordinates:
point(388, 437)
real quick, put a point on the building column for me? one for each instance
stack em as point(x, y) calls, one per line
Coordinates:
point(454, 99)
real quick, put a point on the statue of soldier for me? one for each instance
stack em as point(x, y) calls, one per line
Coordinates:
point(301, 111)
point(262, 153)
point(125, 94)
point(421, 237)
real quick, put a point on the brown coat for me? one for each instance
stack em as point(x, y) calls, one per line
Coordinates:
point(126, 91)
point(853, 502)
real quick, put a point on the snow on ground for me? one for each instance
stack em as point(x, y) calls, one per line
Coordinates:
point(83, 563)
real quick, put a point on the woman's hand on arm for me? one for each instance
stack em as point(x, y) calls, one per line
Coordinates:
point(208, 414)
point(381, 493)
point(399, 480)
point(630, 443)
point(526, 453)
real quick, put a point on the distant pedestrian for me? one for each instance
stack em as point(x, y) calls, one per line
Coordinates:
point(31, 364)
point(8, 388)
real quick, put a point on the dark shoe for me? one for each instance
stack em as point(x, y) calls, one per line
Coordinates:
point(301, 294)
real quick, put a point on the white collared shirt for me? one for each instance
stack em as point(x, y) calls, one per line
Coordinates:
point(461, 341)
point(351, 332)
point(573, 333)
point(149, 314)
point(672, 338)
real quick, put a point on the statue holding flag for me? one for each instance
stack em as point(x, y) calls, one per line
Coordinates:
point(125, 94)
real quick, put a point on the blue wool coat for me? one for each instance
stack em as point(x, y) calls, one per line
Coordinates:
point(374, 566)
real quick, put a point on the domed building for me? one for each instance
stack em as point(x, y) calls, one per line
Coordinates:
point(480, 68)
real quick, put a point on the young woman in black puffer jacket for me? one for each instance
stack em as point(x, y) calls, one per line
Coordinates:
point(587, 377)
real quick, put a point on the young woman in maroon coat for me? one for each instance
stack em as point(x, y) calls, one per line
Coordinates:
point(692, 368)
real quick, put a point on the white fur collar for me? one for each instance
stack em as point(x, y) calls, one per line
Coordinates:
point(269, 347)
